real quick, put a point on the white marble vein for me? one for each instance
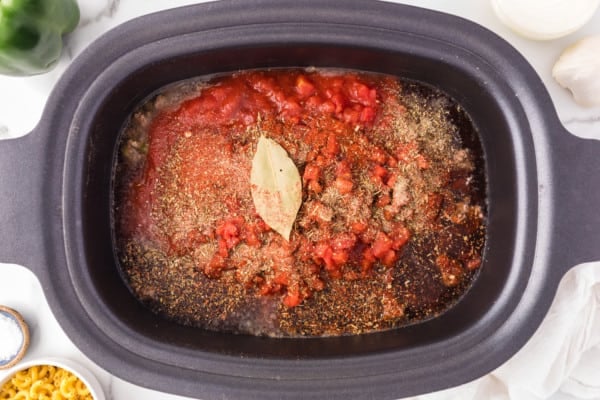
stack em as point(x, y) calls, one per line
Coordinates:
point(93, 11)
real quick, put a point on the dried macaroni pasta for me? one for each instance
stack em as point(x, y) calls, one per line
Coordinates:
point(45, 382)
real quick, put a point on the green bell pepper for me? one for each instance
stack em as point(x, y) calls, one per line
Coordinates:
point(31, 34)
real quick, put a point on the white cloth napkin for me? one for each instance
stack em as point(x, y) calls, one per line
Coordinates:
point(562, 359)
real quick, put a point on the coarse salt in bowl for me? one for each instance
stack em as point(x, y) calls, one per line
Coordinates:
point(14, 337)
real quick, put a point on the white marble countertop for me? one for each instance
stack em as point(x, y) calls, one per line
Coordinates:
point(22, 101)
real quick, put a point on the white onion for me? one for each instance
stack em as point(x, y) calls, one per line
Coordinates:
point(578, 69)
point(545, 19)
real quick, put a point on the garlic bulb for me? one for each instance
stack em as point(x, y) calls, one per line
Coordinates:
point(544, 19)
point(578, 69)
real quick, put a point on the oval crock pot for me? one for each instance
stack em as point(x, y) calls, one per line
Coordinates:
point(542, 198)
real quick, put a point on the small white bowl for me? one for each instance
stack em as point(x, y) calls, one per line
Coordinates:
point(82, 373)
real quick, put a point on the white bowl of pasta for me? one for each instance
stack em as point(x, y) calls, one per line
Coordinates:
point(51, 379)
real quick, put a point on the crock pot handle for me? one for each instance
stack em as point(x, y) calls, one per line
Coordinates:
point(577, 189)
point(21, 200)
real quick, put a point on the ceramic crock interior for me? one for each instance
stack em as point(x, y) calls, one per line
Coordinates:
point(461, 83)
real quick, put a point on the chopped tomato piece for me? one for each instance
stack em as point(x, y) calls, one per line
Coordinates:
point(383, 200)
point(382, 245)
point(358, 227)
point(389, 258)
point(380, 171)
point(367, 114)
point(340, 257)
point(292, 298)
point(315, 186)
point(332, 147)
point(378, 155)
point(327, 107)
point(343, 185)
point(229, 233)
point(311, 172)
point(251, 236)
point(368, 260)
point(343, 170)
point(304, 87)
point(343, 241)
point(400, 236)
point(282, 278)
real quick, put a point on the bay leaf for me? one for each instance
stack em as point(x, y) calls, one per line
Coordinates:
point(276, 186)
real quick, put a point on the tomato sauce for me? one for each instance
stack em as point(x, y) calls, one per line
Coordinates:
point(392, 203)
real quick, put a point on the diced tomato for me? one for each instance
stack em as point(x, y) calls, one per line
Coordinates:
point(228, 229)
point(367, 114)
point(292, 298)
point(229, 232)
point(358, 227)
point(316, 284)
point(251, 236)
point(343, 185)
point(378, 155)
point(330, 265)
point(337, 82)
point(223, 249)
point(383, 200)
point(315, 186)
point(376, 179)
point(313, 102)
point(343, 241)
point(351, 115)
point(382, 245)
point(327, 107)
point(332, 147)
point(343, 170)
point(380, 171)
point(339, 102)
point(391, 181)
point(367, 261)
point(264, 289)
point(400, 236)
point(311, 172)
point(320, 249)
point(282, 278)
point(389, 258)
point(340, 257)
point(324, 254)
point(304, 87)
point(320, 160)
